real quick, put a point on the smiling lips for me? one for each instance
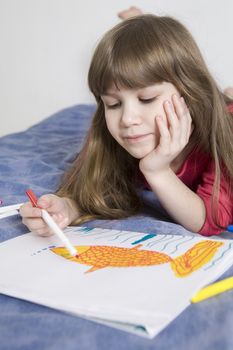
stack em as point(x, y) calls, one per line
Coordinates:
point(136, 138)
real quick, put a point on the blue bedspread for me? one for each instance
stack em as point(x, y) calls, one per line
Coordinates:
point(37, 158)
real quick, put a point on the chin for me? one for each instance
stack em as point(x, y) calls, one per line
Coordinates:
point(140, 153)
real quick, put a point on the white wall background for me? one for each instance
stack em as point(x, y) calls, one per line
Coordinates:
point(46, 47)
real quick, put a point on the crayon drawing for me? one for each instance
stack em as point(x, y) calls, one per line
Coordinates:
point(100, 257)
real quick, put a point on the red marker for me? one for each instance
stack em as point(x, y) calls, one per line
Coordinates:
point(33, 198)
point(52, 224)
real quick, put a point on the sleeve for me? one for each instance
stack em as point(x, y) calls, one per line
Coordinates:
point(230, 108)
point(224, 206)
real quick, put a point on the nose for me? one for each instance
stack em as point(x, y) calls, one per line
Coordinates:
point(130, 116)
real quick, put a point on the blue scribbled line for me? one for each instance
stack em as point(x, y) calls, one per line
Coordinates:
point(163, 238)
point(176, 247)
point(118, 235)
point(131, 237)
point(43, 249)
point(219, 258)
point(148, 236)
point(108, 235)
point(166, 244)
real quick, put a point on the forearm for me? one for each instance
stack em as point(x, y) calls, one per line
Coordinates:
point(185, 206)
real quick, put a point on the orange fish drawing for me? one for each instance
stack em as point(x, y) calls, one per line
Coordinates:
point(100, 257)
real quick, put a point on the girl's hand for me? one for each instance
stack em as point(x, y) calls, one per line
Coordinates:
point(174, 129)
point(62, 210)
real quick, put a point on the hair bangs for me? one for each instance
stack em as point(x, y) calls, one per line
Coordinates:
point(128, 59)
point(131, 70)
point(125, 70)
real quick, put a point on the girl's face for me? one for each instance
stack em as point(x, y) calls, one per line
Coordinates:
point(130, 115)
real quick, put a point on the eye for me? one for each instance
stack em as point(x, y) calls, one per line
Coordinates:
point(147, 100)
point(113, 106)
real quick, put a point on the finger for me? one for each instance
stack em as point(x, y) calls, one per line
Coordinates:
point(44, 232)
point(179, 106)
point(34, 224)
point(181, 113)
point(189, 119)
point(38, 227)
point(184, 117)
point(61, 220)
point(173, 121)
point(49, 202)
point(27, 210)
point(64, 223)
point(181, 109)
point(165, 137)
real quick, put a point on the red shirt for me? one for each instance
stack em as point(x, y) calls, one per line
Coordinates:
point(197, 172)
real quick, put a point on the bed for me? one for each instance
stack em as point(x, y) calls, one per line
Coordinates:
point(37, 158)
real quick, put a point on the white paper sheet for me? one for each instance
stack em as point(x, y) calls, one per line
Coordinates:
point(143, 296)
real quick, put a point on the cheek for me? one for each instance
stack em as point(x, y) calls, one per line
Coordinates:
point(156, 138)
point(112, 128)
point(108, 122)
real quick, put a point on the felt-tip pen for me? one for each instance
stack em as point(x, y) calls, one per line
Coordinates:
point(52, 224)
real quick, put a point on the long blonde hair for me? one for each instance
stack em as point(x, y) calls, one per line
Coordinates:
point(136, 53)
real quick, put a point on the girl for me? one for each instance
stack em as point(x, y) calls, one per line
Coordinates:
point(161, 123)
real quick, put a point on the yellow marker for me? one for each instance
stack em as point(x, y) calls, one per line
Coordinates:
point(213, 289)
